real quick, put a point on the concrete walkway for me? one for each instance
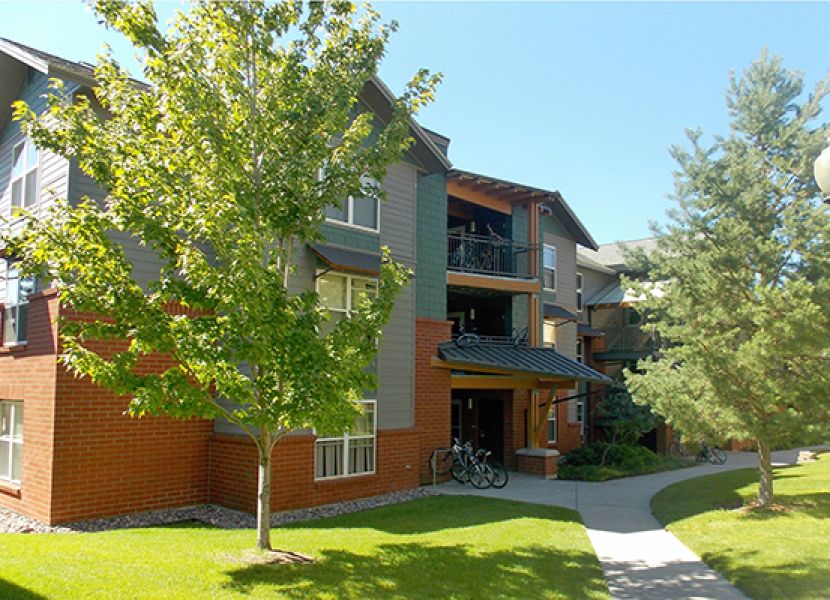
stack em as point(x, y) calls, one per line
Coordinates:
point(639, 558)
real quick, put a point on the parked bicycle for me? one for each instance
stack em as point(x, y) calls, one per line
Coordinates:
point(713, 454)
point(465, 339)
point(468, 466)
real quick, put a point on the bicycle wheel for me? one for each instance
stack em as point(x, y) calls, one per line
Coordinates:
point(460, 473)
point(717, 456)
point(441, 462)
point(500, 476)
point(481, 476)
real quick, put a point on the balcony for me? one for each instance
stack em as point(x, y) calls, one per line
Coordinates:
point(628, 343)
point(488, 255)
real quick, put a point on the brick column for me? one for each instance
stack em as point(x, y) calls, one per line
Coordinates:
point(432, 392)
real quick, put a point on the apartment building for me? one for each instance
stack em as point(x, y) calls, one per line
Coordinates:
point(489, 256)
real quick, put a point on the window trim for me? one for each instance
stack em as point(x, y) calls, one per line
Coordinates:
point(349, 278)
point(552, 269)
point(346, 437)
point(349, 222)
point(552, 419)
point(579, 284)
point(580, 349)
point(16, 308)
point(11, 441)
point(27, 170)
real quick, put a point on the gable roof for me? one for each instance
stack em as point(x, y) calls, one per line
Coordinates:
point(511, 192)
point(376, 95)
point(611, 255)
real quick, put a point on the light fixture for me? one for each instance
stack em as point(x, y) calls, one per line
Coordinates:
point(821, 171)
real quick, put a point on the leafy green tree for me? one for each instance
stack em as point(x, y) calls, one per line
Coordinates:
point(744, 272)
point(223, 164)
point(623, 420)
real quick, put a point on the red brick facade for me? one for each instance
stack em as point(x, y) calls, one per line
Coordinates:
point(83, 457)
point(432, 392)
point(233, 472)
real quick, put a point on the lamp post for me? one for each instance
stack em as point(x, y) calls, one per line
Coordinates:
point(821, 171)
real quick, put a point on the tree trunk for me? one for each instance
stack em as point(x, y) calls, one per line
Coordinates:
point(765, 485)
point(263, 514)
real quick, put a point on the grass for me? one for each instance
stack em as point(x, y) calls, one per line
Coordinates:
point(439, 547)
point(780, 552)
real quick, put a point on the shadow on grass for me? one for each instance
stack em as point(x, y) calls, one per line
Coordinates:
point(438, 513)
point(794, 579)
point(408, 570)
point(721, 491)
point(11, 591)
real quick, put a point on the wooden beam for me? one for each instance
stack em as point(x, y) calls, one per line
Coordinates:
point(519, 286)
point(491, 382)
point(463, 192)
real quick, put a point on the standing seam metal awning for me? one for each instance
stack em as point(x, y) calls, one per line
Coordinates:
point(346, 259)
point(523, 360)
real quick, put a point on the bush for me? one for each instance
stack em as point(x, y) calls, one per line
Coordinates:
point(622, 460)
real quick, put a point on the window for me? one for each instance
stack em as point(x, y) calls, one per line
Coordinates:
point(549, 334)
point(549, 262)
point(24, 181)
point(11, 441)
point(352, 453)
point(341, 293)
point(579, 291)
point(16, 309)
point(580, 352)
point(552, 425)
point(357, 212)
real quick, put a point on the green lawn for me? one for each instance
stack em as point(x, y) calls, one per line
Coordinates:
point(778, 553)
point(439, 547)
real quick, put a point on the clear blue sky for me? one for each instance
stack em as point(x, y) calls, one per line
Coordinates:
point(584, 98)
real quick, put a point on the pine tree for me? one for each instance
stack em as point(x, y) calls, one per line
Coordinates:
point(744, 272)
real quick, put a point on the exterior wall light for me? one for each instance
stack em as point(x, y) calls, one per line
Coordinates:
point(821, 171)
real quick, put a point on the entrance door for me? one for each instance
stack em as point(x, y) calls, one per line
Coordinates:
point(491, 427)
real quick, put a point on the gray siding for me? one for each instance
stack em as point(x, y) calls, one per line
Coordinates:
point(398, 212)
point(565, 293)
point(144, 259)
point(396, 365)
point(52, 169)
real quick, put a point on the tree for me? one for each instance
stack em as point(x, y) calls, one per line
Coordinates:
point(624, 420)
point(224, 163)
point(744, 271)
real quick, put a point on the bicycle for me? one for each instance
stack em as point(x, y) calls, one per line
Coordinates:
point(678, 449)
point(500, 476)
point(462, 463)
point(713, 454)
point(465, 340)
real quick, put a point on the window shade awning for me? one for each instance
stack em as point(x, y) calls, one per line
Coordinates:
point(553, 311)
point(347, 259)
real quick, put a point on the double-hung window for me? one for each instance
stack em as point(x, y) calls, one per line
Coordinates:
point(552, 425)
point(579, 292)
point(580, 349)
point(24, 176)
point(11, 441)
point(342, 293)
point(357, 212)
point(549, 267)
point(352, 453)
point(549, 333)
point(16, 309)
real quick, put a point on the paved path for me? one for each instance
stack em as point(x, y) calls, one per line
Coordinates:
point(639, 558)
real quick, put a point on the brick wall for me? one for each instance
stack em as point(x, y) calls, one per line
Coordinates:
point(233, 472)
point(27, 374)
point(515, 426)
point(432, 392)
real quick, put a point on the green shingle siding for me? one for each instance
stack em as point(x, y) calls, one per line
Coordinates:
point(431, 248)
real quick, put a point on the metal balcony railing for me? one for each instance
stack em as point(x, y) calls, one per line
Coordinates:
point(630, 339)
point(485, 255)
point(15, 323)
